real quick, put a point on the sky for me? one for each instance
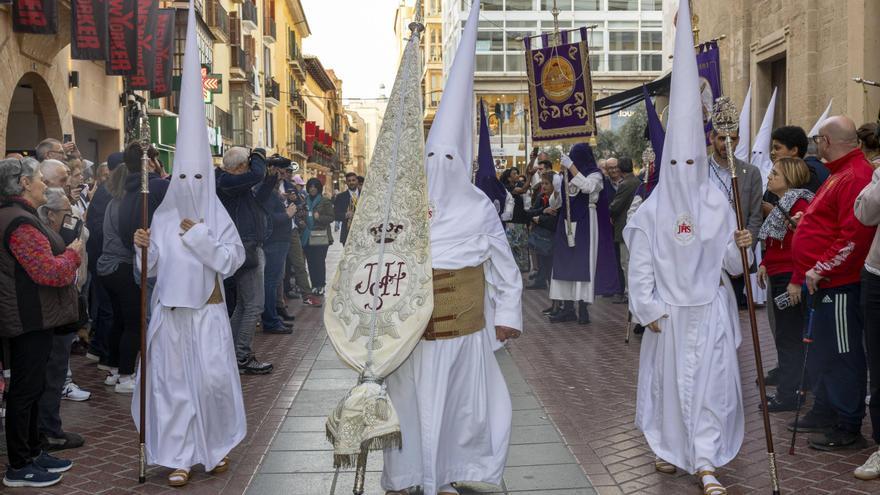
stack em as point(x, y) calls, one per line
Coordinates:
point(356, 39)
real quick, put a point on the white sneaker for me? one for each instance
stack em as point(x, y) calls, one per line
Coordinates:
point(93, 357)
point(870, 469)
point(125, 385)
point(112, 377)
point(105, 367)
point(72, 392)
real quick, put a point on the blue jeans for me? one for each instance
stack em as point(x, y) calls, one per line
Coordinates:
point(276, 254)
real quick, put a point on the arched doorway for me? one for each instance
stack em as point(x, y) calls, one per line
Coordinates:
point(33, 115)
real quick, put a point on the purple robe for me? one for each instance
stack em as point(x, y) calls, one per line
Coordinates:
point(573, 264)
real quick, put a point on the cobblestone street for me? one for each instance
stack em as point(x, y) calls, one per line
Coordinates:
point(573, 391)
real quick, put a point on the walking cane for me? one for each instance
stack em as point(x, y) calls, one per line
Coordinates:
point(725, 120)
point(808, 339)
point(629, 319)
point(145, 195)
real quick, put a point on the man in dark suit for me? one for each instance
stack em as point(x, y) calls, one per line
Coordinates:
point(345, 204)
point(626, 190)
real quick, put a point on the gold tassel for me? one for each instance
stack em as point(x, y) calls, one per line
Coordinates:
point(593, 141)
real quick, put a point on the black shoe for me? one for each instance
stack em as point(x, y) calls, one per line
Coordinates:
point(32, 476)
point(837, 439)
point(563, 316)
point(809, 423)
point(777, 403)
point(772, 378)
point(282, 330)
point(547, 311)
point(583, 314)
point(536, 286)
point(282, 312)
point(68, 441)
point(253, 367)
point(52, 464)
point(638, 330)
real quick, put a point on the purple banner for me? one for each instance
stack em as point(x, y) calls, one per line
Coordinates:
point(560, 89)
point(123, 22)
point(88, 30)
point(709, 67)
point(657, 136)
point(148, 13)
point(35, 16)
point(164, 54)
point(485, 178)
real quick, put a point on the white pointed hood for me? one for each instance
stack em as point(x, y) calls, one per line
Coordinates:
point(183, 280)
point(815, 130)
point(743, 150)
point(461, 215)
point(687, 219)
point(761, 149)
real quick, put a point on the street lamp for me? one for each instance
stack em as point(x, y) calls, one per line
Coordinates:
point(255, 112)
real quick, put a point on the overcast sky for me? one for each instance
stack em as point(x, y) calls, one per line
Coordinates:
point(356, 39)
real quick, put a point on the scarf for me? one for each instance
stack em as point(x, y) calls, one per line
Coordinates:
point(775, 226)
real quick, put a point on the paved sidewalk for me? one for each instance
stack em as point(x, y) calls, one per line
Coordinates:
point(300, 458)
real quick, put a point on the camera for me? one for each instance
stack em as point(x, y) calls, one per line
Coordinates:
point(278, 161)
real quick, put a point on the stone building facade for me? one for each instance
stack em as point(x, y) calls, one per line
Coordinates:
point(809, 49)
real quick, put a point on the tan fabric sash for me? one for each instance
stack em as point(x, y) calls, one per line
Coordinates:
point(458, 303)
point(216, 295)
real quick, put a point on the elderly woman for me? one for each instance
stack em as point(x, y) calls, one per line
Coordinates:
point(316, 237)
point(38, 294)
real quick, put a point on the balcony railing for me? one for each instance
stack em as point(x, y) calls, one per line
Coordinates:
point(299, 146)
point(217, 19)
point(248, 13)
point(273, 92)
point(298, 105)
point(270, 33)
point(223, 120)
point(295, 58)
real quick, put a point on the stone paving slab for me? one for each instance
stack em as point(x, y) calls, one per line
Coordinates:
point(299, 459)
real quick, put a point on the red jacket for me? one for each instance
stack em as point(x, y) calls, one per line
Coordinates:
point(777, 257)
point(829, 238)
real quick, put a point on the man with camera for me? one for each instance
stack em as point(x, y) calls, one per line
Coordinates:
point(240, 173)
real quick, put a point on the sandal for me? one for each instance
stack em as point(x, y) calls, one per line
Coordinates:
point(221, 466)
point(178, 477)
point(664, 467)
point(710, 488)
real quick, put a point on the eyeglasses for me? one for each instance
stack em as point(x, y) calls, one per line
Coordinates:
point(817, 137)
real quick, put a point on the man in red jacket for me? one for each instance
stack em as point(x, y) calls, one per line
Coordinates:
point(829, 250)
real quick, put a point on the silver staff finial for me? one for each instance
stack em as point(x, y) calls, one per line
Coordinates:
point(725, 119)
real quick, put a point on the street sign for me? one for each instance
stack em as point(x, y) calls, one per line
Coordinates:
point(211, 84)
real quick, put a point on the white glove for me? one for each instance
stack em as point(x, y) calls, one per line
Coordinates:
point(566, 162)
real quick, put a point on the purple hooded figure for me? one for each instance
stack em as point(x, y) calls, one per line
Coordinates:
point(589, 266)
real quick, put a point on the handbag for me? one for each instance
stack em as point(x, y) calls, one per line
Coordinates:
point(320, 238)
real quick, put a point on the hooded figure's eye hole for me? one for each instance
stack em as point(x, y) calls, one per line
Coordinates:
point(673, 162)
point(449, 157)
point(183, 176)
point(198, 176)
point(430, 154)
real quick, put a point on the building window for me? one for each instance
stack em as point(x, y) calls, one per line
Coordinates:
point(652, 41)
point(596, 40)
point(520, 5)
point(652, 62)
point(623, 62)
point(597, 63)
point(623, 4)
point(492, 5)
point(622, 40)
point(516, 62)
point(270, 130)
point(591, 5)
point(490, 63)
point(491, 41)
point(652, 4)
point(560, 4)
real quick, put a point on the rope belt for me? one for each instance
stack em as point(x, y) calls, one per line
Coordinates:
point(458, 303)
point(216, 295)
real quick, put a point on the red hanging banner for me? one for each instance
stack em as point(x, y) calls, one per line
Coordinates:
point(164, 54)
point(142, 79)
point(35, 16)
point(123, 27)
point(88, 30)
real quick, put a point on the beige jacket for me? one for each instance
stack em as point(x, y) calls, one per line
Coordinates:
point(867, 210)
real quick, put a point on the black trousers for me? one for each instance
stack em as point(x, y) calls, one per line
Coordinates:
point(620, 275)
point(789, 339)
point(125, 298)
point(29, 355)
point(316, 256)
point(545, 268)
point(871, 307)
point(836, 364)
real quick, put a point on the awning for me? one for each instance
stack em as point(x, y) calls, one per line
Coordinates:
point(615, 103)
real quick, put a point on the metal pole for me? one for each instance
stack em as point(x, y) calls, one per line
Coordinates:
point(725, 120)
point(145, 195)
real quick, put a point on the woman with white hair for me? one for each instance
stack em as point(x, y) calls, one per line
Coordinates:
point(37, 297)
